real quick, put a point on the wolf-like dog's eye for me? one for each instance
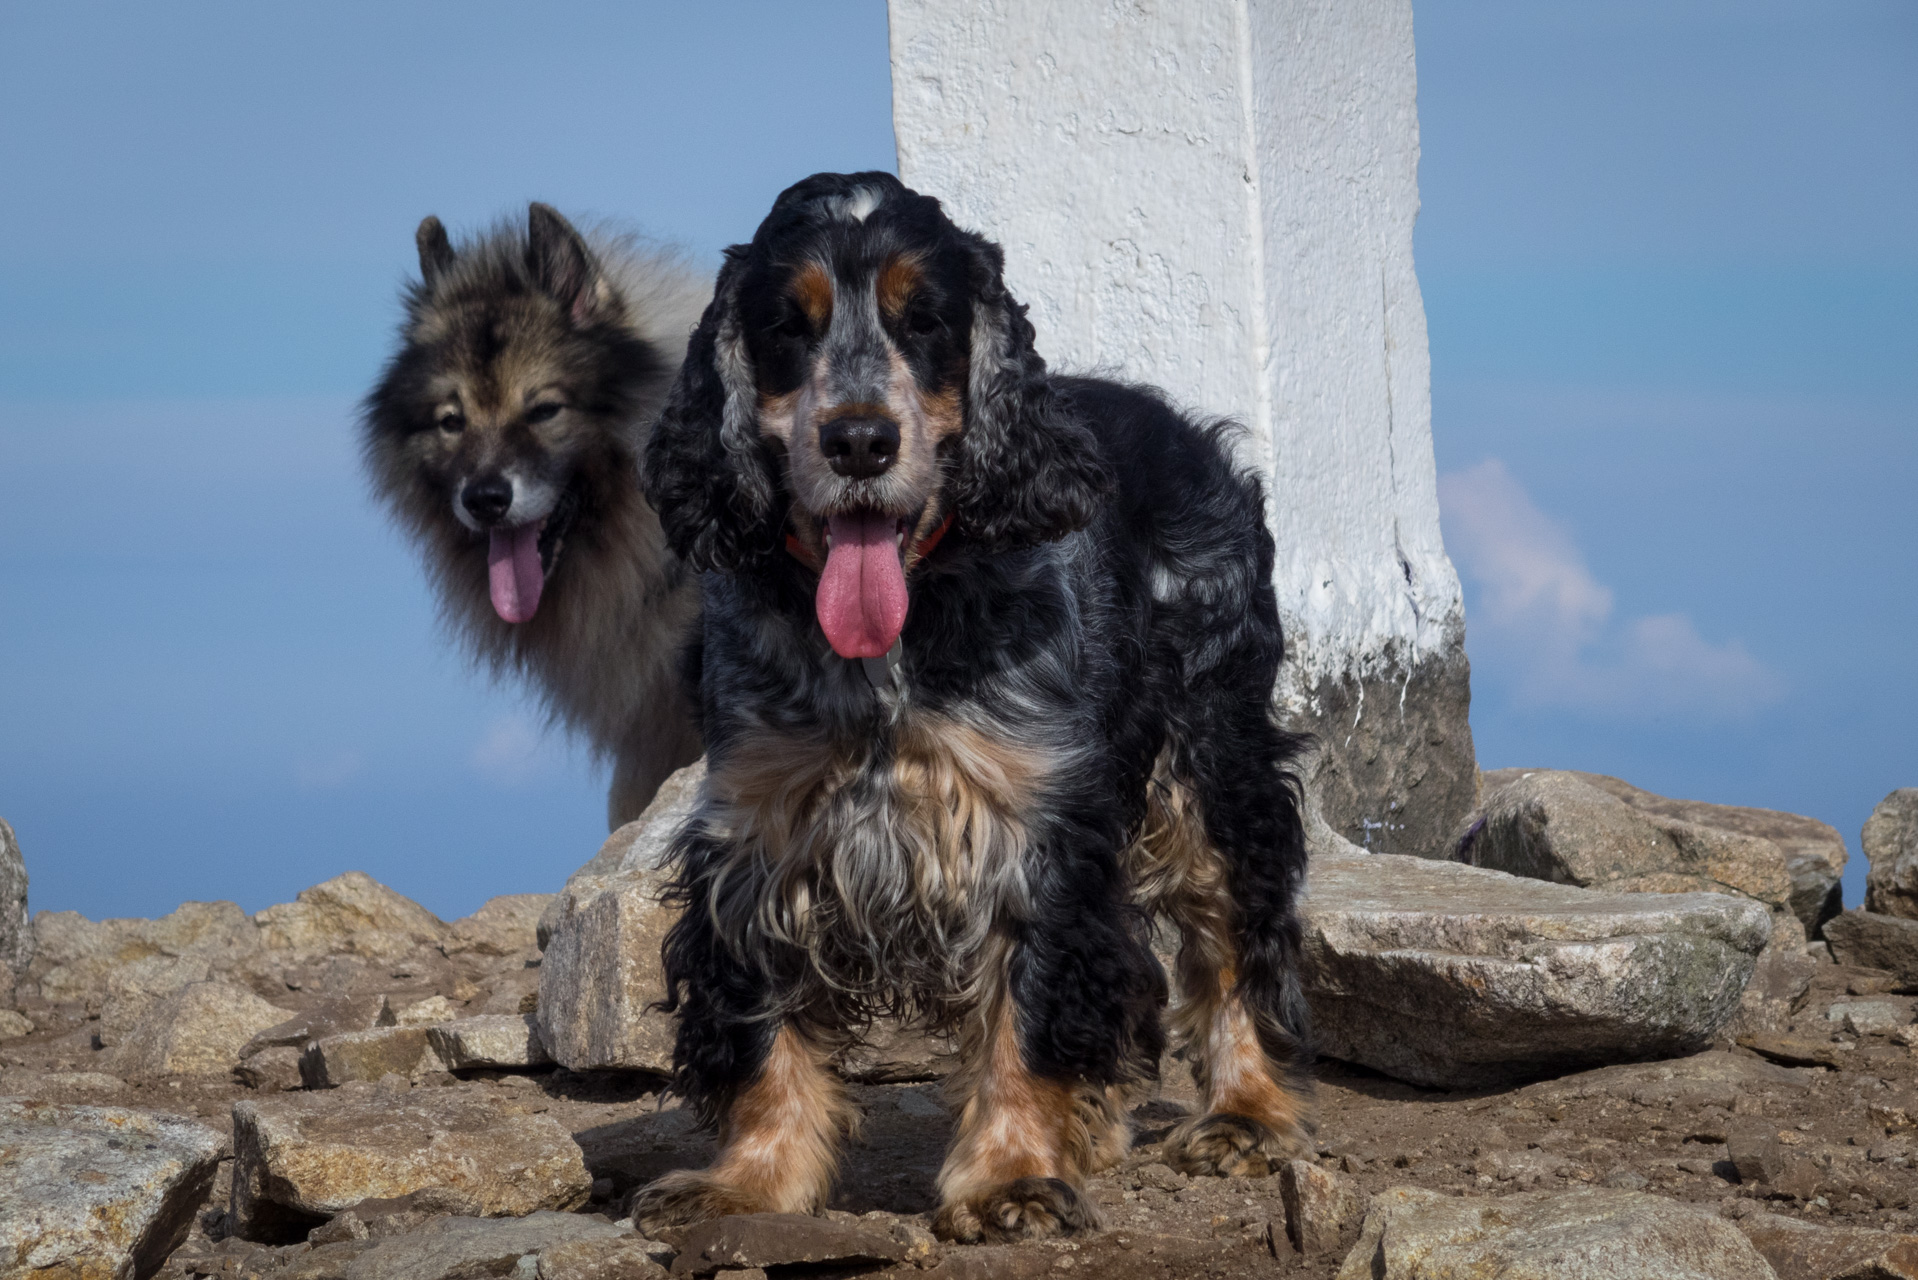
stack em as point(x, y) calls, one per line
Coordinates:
point(542, 413)
point(452, 422)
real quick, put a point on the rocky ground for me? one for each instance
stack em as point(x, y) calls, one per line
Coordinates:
point(346, 1086)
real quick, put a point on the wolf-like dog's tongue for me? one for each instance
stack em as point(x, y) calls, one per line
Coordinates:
point(862, 590)
point(513, 571)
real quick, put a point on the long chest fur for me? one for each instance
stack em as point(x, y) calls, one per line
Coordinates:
point(887, 862)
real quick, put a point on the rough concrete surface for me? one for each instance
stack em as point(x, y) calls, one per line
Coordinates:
point(1297, 313)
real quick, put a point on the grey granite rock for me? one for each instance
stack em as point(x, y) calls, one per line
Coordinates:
point(1554, 825)
point(787, 1239)
point(75, 959)
point(465, 1247)
point(301, 1157)
point(97, 1192)
point(16, 931)
point(1320, 1205)
point(1890, 840)
point(1814, 853)
point(1683, 1085)
point(636, 847)
point(1873, 941)
point(491, 1040)
point(330, 1017)
point(1456, 976)
point(1808, 1251)
point(135, 987)
point(368, 1056)
point(271, 1070)
point(601, 971)
point(625, 1257)
point(198, 1030)
point(349, 915)
point(1593, 1233)
point(503, 926)
point(1779, 981)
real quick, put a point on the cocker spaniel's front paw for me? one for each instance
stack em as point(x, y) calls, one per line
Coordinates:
point(1024, 1209)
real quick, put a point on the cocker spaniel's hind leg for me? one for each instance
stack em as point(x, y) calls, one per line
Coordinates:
point(1239, 1019)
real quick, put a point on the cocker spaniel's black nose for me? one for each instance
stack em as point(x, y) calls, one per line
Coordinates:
point(859, 448)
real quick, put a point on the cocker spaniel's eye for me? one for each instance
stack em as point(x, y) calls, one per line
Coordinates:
point(542, 413)
point(924, 321)
point(792, 323)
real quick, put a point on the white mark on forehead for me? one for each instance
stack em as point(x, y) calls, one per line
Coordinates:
point(856, 204)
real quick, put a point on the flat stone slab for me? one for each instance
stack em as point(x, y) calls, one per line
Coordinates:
point(1813, 851)
point(787, 1239)
point(1593, 1233)
point(368, 1056)
point(1804, 1251)
point(463, 1247)
point(299, 1158)
point(97, 1192)
point(490, 1040)
point(1454, 976)
point(1689, 1085)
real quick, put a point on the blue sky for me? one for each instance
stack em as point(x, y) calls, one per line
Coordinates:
point(1667, 260)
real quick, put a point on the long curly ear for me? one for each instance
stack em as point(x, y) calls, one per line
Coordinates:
point(706, 471)
point(1029, 470)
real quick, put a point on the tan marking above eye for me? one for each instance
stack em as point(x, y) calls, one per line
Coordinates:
point(896, 282)
point(812, 290)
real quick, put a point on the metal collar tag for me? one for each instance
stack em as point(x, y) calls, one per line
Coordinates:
point(883, 673)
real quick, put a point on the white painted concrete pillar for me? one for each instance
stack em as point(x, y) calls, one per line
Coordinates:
point(1217, 197)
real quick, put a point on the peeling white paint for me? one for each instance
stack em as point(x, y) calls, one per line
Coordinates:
point(1217, 197)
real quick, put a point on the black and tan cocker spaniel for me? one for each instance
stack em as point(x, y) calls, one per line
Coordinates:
point(987, 670)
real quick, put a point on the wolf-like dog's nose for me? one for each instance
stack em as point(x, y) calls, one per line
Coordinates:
point(487, 498)
point(860, 448)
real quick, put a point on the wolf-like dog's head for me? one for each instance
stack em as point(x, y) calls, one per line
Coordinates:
point(507, 422)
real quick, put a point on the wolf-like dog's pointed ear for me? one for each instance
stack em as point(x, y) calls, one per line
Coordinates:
point(563, 266)
point(436, 251)
point(1029, 470)
point(707, 471)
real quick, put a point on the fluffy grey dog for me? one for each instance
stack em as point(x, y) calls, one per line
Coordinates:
point(504, 435)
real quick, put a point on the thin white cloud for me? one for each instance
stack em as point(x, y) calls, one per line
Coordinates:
point(1544, 619)
point(514, 750)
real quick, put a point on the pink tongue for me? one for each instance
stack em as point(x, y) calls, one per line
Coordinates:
point(862, 591)
point(513, 572)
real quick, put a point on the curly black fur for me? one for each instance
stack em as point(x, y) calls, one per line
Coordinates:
point(1102, 602)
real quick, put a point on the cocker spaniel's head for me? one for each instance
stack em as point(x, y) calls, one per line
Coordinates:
point(861, 384)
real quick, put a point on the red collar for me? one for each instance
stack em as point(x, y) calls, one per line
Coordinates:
point(921, 549)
